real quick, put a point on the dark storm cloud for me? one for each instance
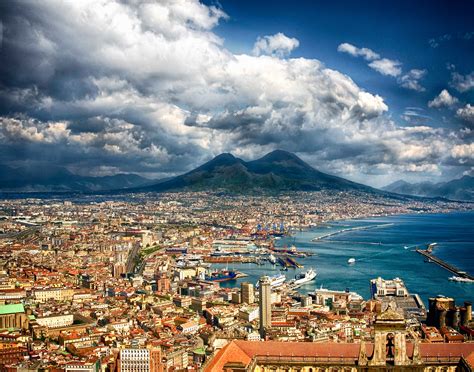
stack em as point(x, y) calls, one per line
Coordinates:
point(149, 87)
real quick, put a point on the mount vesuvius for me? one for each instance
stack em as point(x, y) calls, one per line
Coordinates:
point(277, 171)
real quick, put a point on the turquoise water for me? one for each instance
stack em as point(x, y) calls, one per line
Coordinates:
point(378, 245)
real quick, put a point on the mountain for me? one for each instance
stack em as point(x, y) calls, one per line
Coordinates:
point(458, 189)
point(52, 178)
point(276, 171)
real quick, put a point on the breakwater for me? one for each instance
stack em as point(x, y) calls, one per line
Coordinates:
point(358, 228)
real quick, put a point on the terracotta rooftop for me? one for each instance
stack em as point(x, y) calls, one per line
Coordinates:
point(245, 351)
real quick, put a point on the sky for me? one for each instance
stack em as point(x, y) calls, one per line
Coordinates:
point(371, 91)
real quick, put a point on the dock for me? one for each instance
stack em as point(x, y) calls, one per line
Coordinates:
point(428, 254)
point(286, 261)
point(231, 259)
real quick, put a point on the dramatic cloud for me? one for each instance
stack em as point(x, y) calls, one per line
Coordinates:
point(387, 67)
point(462, 83)
point(466, 113)
point(278, 45)
point(443, 99)
point(411, 80)
point(150, 88)
point(366, 53)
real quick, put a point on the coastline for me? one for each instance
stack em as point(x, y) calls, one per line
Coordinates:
point(389, 259)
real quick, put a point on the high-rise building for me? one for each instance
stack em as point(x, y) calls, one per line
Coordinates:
point(265, 304)
point(134, 360)
point(247, 293)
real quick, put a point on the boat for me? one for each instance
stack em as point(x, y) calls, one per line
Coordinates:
point(221, 276)
point(460, 279)
point(219, 252)
point(351, 260)
point(305, 277)
point(275, 281)
point(272, 259)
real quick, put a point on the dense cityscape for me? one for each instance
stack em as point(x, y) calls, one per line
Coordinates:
point(236, 186)
point(128, 284)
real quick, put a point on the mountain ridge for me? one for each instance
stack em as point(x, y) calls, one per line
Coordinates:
point(58, 179)
point(456, 189)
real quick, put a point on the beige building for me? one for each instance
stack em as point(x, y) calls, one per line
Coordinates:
point(58, 294)
point(56, 321)
point(247, 293)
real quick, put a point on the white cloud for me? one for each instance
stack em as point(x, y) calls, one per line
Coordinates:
point(443, 99)
point(411, 80)
point(464, 151)
point(366, 53)
point(387, 67)
point(278, 45)
point(462, 83)
point(466, 113)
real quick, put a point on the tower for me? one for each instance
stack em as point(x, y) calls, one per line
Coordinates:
point(390, 339)
point(265, 304)
point(247, 293)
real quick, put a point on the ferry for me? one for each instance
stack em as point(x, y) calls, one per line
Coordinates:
point(221, 276)
point(460, 279)
point(353, 296)
point(275, 281)
point(306, 277)
point(351, 260)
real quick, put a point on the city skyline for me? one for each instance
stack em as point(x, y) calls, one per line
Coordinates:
point(370, 92)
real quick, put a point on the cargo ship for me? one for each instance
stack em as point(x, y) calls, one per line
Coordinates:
point(221, 276)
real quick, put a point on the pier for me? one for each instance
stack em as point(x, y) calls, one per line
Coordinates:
point(428, 254)
point(231, 259)
point(286, 261)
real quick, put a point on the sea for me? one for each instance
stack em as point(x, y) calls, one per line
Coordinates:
point(382, 246)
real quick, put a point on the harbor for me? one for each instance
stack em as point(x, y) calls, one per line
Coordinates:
point(379, 252)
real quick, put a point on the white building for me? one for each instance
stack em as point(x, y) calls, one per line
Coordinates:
point(381, 288)
point(134, 360)
point(249, 313)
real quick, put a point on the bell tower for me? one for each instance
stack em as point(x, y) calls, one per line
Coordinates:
point(390, 339)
